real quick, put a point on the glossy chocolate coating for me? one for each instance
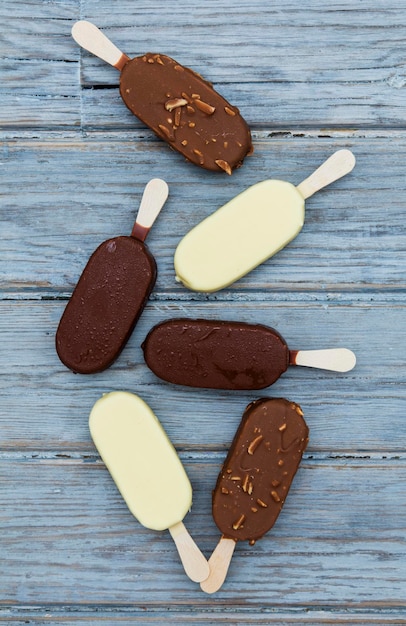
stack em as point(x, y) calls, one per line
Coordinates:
point(256, 476)
point(105, 305)
point(216, 354)
point(184, 110)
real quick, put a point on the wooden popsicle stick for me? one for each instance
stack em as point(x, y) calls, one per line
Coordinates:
point(194, 562)
point(89, 37)
point(334, 359)
point(338, 165)
point(154, 197)
point(219, 562)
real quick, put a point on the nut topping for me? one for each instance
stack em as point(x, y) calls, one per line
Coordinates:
point(275, 496)
point(254, 444)
point(204, 107)
point(229, 111)
point(174, 103)
point(201, 159)
point(262, 503)
point(166, 132)
point(177, 116)
point(238, 523)
point(224, 166)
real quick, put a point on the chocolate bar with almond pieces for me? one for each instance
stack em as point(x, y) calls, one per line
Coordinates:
point(256, 476)
point(184, 110)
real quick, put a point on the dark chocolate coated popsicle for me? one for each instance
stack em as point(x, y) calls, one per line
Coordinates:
point(180, 106)
point(228, 355)
point(255, 479)
point(111, 293)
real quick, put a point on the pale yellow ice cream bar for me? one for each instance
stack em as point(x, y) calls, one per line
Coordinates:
point(146, 470)
point(250, 228)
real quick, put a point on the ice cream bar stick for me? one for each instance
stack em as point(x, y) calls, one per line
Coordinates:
point(89, 37)
point(193, 561)
point(338, 165)
point(334, 359)
point(219, 563)
point(153, 199)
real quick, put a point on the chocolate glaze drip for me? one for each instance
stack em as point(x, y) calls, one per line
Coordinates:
point(105, 305)
point(216, 354)
point(184, 110)
point(256, 476)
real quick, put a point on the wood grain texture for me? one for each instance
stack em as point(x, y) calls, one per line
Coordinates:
point(351, 237)
point(358, 411)
point(310, 79)
point(100, 554)
point(127, 616)
point(343, 63)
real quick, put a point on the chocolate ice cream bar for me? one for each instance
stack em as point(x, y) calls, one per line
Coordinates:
point(256, 476)
point(257, 473)
point(111, 293)
point(180, 106)
point(229, 355)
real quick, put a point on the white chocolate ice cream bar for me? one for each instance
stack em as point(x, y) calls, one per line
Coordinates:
point(141, 460)
point(147, 471)
point(240, 235)
point(250, 228)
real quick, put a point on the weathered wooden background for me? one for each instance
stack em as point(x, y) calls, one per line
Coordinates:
point(309, 78)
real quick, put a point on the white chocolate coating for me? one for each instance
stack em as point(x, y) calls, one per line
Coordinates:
point(240, 235)
point(141, 459)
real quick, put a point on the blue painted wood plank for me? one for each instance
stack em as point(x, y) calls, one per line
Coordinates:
point(57, 215)
point(84, 545)
point(355, 412)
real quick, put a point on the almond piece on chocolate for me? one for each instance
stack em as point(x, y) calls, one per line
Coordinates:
point(174, 103)
point(224, 165)
point(204, 107)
